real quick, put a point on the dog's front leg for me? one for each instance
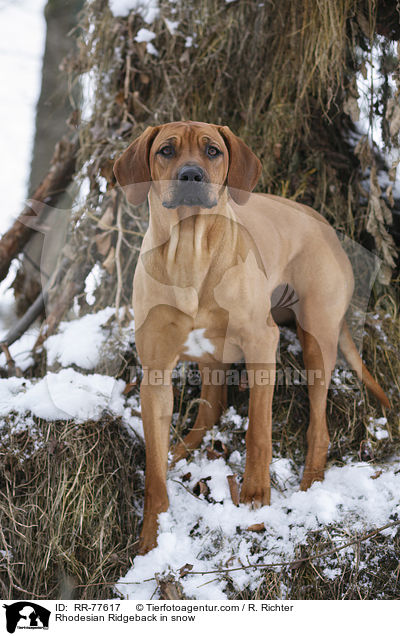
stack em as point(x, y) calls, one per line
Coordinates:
point(256, 488)
point(157, 407)
point(158, 342)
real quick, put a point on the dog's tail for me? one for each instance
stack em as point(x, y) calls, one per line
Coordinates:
point(351, 354)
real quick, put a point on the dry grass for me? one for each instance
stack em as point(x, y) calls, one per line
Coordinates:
point(279, 77)
point(367, 572)
point(68, 508)
point(72, 495)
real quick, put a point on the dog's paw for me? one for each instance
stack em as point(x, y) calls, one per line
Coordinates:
point(309, 477)
point(148, 536)
point(255, 494)
point(180, 452)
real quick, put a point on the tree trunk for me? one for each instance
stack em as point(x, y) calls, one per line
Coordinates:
point(55, 106)
point(56, 101)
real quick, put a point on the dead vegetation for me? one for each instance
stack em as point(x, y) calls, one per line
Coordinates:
point(69, 511)
point(283, 77)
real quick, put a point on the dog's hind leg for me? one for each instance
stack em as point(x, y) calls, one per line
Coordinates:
point(319, 355)
point(213, 403)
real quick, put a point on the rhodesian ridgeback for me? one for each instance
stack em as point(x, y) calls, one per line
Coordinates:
point(211, 261)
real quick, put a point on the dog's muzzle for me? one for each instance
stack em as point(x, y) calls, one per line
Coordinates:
point(191, 188)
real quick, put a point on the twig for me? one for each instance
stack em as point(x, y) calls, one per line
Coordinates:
point(27, 319)
point(118, 257)
point(12, 368)
point(111, 228)
point(319, 555)
point(71, 288)
point(176, 481)
point(35, 309)
point(56, 181)
point(363, 537)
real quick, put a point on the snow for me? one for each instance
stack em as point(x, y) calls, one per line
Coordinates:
point(196, 343)
point(22, 33)
point(21, 350)
point(213, 535)
point(367, 88)
point(294, 347)
point(79, 341)
point(377, 428)
point(69, 393)
point(148, 9)
point(171, 25)
point(152, 49)
point(145, 35)
point(92, 283)
point(208, 531)
point(64, 395)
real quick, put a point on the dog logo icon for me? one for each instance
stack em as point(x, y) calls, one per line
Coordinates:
point(26, 615)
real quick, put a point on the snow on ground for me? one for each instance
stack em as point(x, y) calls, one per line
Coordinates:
point(79, 341)
point(208, 533)
point(69, 393)
point(213, 535)
point(148, 9)
point(63, 396)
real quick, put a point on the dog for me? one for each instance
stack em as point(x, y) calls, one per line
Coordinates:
point(212, 259)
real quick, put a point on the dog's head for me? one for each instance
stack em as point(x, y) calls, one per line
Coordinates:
point(189, 163)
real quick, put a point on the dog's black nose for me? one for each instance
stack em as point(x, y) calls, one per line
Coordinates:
point(191, 173)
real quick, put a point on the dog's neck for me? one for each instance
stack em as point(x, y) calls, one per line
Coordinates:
point(166, 222)
point(190, 239)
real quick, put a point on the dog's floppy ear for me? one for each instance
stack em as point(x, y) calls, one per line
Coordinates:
point(132, 169)
point(244, 167)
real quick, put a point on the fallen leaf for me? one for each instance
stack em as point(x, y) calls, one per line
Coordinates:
point(201, 487)
point(169, 589)
point(216, 451)
point(129, 387)
point(256, 527)
point(185, 569)
point(120, 98)
point(106, 170)
point(393, 116)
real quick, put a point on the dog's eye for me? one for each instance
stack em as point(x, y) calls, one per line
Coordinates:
point(212, 151)
point(166, 151)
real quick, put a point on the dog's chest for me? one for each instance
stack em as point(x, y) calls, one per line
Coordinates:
point(210, 339)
